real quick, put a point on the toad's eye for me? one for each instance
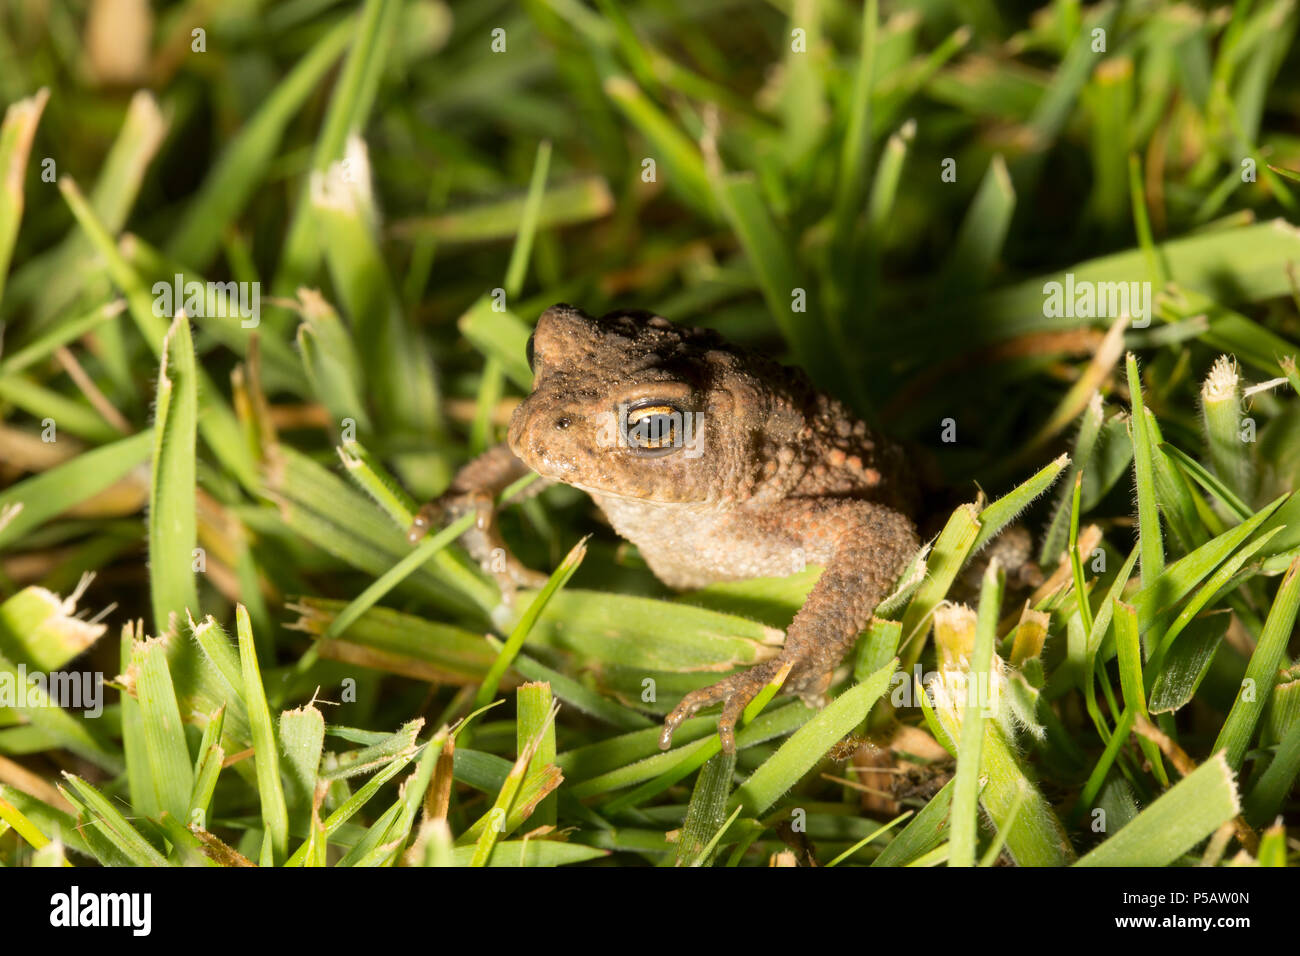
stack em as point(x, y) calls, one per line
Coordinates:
point(654, 426)
point(528, 351)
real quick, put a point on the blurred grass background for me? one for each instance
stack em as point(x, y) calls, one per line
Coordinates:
point(409, 184)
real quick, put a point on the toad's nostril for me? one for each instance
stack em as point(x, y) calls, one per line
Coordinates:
point(562, 422)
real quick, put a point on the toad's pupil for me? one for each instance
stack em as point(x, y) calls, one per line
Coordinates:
point(562, 423)
point(529, 352)
point(659, 429)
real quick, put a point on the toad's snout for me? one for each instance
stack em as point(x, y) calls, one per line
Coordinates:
point(544, 441)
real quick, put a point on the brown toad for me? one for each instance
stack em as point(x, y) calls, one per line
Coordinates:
point(718, 463)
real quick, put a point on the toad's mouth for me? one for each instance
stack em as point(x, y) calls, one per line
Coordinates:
point(612, 494)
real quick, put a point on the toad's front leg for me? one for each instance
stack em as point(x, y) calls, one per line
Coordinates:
point(867, 546)
point(474, 489)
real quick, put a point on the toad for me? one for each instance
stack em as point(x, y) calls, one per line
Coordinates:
point(718, 463)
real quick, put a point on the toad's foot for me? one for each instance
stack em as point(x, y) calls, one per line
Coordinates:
point(424, 519)
point(482, 540)
point(735, 693)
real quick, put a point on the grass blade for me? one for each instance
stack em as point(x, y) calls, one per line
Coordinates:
point(965, 792)
point(173, 526)
point(519, 633)
point(534, 702)
point(16, 135)
point(1149, 536)
point(1181, 818)
point(98, 812)
point(275, 814)
point(170, 769)
point(801, 752)
point(1261, 673)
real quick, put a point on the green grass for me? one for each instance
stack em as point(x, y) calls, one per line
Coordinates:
point(883, 206)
